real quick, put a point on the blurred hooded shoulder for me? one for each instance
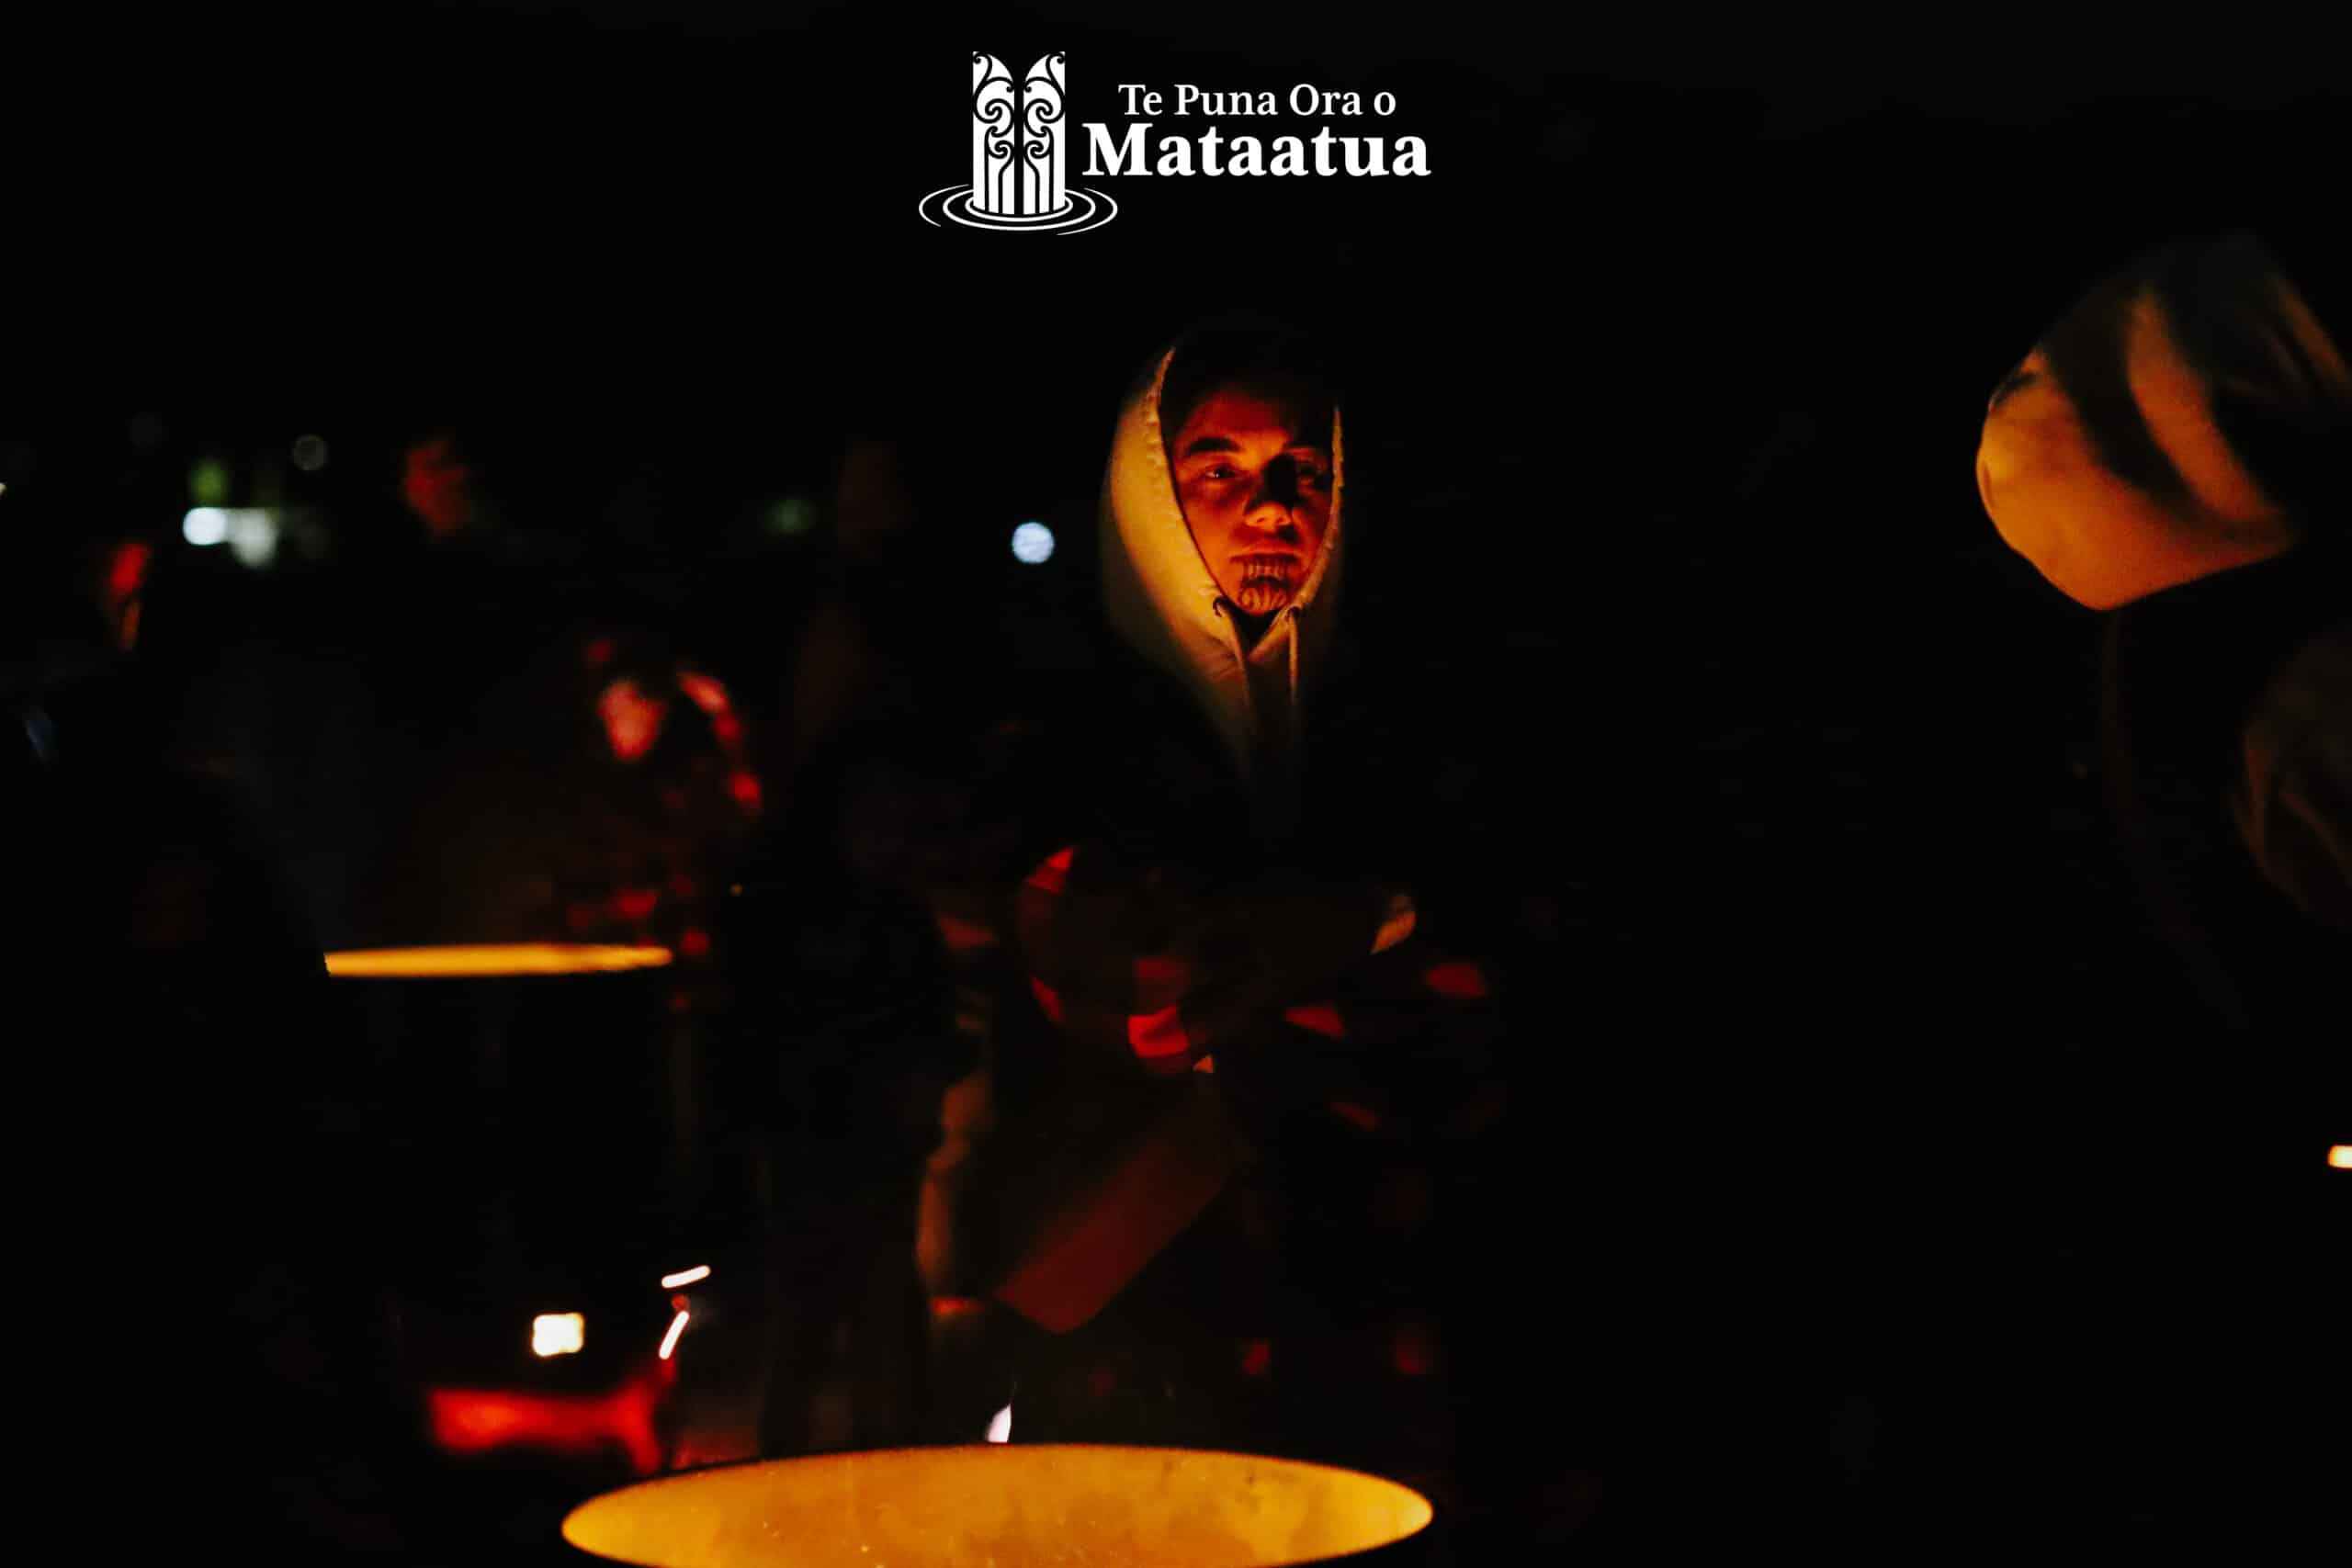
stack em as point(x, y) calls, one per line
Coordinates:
point(2187, 415)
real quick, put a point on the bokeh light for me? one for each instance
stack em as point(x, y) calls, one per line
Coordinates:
point(207, 483)
point(792, 516)
point(558, 1334)
point(1032, 543)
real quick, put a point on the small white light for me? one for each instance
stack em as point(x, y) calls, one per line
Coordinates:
point(558, 1334)
point(670, 1340)
point(1001, 1425)
point(1032, 543)
point(695, 1275)
point(205, 525)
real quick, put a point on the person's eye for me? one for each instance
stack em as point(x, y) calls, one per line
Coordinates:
point(1217, 471)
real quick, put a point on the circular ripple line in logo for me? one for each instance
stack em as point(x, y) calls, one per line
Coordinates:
point(1019, 158)
point(1089, 209)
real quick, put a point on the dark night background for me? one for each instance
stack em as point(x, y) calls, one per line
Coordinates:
point(1666, 384)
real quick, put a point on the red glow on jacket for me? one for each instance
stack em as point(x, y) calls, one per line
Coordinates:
point(1460, 982)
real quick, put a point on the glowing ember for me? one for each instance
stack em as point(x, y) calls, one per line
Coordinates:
point(508, 958)
point(558, 1334)
point(693, 1276)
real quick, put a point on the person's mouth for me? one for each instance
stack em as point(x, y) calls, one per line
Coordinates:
point(1268, 580)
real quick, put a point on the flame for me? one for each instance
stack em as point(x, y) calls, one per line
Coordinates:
point(1001, 1425)
point(2340, 1156)
point(509, 958)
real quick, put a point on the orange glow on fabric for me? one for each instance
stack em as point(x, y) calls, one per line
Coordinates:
point(1158, 1035)
point(703, 691)
point(963, 936)
point(1053, 874)
point(1317, 1018)
point(1103, 1237)
point(491, 960)
point(633, 720)
point(127, 572)
point(1458, 982)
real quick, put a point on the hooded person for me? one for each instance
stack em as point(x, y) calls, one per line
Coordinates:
point(2173, 452)
point(1235, 1008)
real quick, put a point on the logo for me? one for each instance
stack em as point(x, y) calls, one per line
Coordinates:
point(1018, 136)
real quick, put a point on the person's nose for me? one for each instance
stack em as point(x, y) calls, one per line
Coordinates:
point(1277, 495)
point(1269, 514)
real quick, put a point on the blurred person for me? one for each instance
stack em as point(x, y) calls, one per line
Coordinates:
point(880, 614)
point(850, 1010)
point(1243, 1025)
point(2175, 452)
point(208, 1147)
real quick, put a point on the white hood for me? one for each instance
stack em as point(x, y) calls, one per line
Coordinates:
point(1164, 599)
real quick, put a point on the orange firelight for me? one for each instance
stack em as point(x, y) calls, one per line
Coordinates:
point(1007, 1503)
point(493, 959)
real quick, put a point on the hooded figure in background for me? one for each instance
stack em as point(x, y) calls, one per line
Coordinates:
point(2174, 452)
point(1233, 1021)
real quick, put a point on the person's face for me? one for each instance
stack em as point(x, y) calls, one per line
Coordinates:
point(1255, 483)
point(438, 485)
